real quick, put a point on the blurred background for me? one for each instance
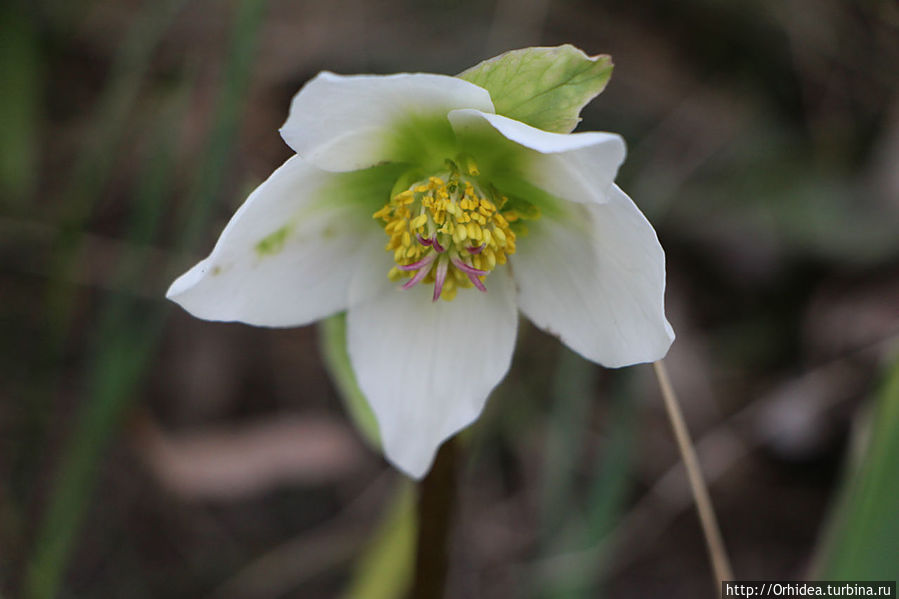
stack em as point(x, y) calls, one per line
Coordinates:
point(144, 453)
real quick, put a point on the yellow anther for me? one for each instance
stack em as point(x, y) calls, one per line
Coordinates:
point(490, 257)
point(500, 236)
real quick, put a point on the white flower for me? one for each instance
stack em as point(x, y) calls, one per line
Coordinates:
point(489, 212)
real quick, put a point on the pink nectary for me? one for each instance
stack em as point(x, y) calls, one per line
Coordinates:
point(476, 282)
point(421, 274)
point(424, 240)
point(469, 270)
point(436, 244)
point(416, 265)
point(473, 250)
point(440, 278)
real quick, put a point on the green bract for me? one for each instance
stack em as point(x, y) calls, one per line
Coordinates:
point(543, 87)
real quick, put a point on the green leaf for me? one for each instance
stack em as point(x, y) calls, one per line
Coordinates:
point(332, 338)
point(543, 87)
point(863, 537)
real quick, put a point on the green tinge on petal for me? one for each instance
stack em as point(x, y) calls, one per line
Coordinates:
point(423, 140)
point(367, 189)
point(406, 180)
point(332, 339)
point(357, 193)
point(525, 197)
point(273, 243)
point(543, 87)
point(492, 153)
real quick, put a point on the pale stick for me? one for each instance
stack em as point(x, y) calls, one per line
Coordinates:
point(713, 539)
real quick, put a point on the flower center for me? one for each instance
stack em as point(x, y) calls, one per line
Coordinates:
point(448, 231)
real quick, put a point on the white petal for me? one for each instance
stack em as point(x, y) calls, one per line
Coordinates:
point(427, 367)
point(596, 278)
point(579, 167)
point(343, 123)
point(286, 258)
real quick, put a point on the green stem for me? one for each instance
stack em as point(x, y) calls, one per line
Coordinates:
point(435, 507)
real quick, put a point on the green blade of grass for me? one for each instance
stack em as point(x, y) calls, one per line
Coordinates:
point(588, 537)
point(573, 391)
point(92, 171)
point(218, 149)
point(384, 571)
point(83, 186)
point(124, 348)
point(862, 540)
point(21, 75)
point(119, 353)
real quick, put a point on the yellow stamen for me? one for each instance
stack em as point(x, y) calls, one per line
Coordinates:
point(450, 212)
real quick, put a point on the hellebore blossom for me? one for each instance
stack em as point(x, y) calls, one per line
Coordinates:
point(487, 205)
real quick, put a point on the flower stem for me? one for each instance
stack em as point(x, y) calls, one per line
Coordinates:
point(713, 538)
point(435, 506)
